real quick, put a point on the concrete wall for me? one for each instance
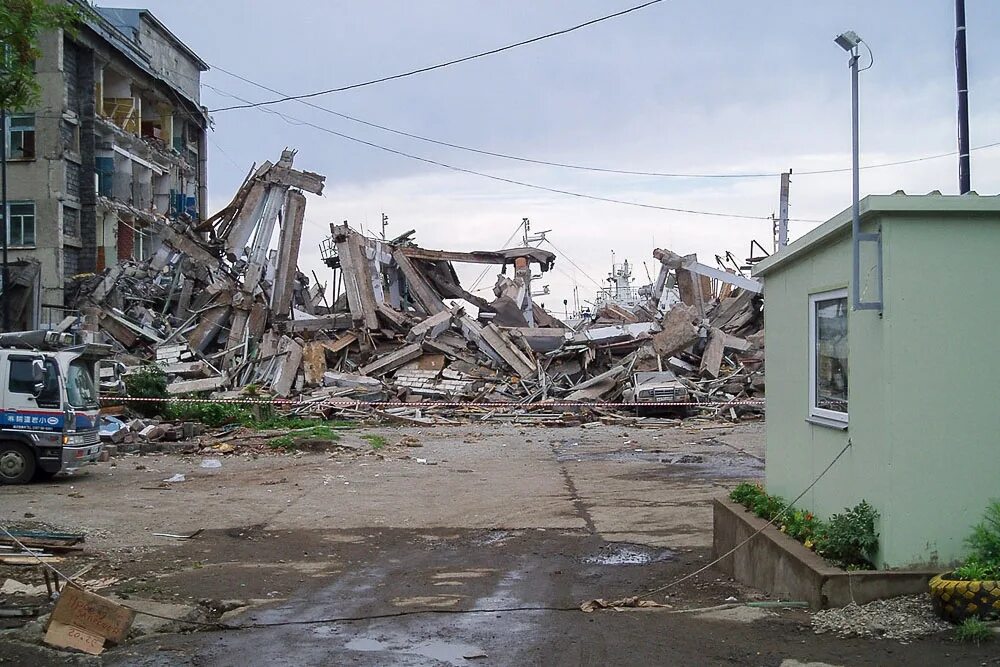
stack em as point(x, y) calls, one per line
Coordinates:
point(922, 419)
point(170, 62)
point(43, 179)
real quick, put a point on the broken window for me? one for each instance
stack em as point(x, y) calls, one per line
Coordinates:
point(21, 136)
point(828, 367)
point(21, 230)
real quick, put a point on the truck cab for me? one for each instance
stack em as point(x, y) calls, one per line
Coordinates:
point(48, 405)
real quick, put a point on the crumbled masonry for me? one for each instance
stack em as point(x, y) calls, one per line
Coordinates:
point(226, 316)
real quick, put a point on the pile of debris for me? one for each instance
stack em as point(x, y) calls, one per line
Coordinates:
point(220, 312)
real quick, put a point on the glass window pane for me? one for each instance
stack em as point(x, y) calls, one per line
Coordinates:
point(831, 354)
point(21, 379)
point(80, 391)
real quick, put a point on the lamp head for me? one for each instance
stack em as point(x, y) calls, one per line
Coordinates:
point(848, 41)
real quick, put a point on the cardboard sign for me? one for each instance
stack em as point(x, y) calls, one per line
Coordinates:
point(92, 613)
point(69, 636)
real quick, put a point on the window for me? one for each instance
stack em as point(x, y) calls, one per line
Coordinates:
point(21, 136)
point(21, 230)
point(80, 391)
point(828, 367)
point(21, 380)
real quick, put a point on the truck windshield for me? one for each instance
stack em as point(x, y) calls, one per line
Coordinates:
point(80, 390)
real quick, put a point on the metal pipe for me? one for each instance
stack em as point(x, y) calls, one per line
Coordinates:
point(962, 74)
point(3, 207)
point(855, 183)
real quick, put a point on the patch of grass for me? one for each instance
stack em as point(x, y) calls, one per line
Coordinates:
point(296, 423)
point(973, 631)
point(208, 413)
point(286, 442)
point(376, 441)
point(297, 438)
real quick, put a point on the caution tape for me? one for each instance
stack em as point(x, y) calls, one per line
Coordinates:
point(339, 402)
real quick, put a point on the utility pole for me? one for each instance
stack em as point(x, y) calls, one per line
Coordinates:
point(961, 70)
point(786, 179)
point(3, 207)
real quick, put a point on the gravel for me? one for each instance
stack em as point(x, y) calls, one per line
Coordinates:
point(902, 619)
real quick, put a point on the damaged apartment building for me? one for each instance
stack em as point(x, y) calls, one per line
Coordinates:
point(115, 148)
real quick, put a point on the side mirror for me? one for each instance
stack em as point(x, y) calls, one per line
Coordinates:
point(38, 377)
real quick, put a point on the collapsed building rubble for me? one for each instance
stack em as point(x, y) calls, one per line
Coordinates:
point(220, 311)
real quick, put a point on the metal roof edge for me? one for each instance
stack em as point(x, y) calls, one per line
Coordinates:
point(932, 203)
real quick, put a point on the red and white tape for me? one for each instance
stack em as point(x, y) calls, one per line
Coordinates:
point(429, 404)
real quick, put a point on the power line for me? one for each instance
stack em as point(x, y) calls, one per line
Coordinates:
point(444, 64)
point(575, 265)
point(580, 167)
point(611, 200)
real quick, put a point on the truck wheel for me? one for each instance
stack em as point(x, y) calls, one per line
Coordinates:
point(17, 463)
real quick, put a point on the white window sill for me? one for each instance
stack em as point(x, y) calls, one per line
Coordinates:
point(827, 423)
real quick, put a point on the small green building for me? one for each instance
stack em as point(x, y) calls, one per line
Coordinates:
point(914, 388)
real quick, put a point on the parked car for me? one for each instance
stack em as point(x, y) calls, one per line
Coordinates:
point(656, 388)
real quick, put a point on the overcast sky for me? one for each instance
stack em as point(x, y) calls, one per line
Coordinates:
point(690, 86)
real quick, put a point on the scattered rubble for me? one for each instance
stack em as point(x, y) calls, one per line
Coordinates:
point(221, 313)
point(901, 618)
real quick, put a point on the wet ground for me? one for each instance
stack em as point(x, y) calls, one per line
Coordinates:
point(475, 548)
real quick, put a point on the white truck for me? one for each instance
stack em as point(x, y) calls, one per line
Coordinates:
point(49, 409)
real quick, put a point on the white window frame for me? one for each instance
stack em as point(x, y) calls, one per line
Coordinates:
point(34, 225)
point(814, 411)
point(10, 130)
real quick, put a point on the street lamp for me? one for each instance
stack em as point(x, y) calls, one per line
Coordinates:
point(849, 41)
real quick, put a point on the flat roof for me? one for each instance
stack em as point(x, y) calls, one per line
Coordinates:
point(898, 202)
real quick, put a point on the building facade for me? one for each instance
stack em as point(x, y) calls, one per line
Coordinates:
point(912, 388)
point(115, 147)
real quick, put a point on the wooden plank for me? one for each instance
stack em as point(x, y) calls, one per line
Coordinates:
point(289, 359)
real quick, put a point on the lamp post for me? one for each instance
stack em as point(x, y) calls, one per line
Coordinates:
point(849, 41)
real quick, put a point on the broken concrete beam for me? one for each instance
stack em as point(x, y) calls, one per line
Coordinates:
point(289, 241)
point(392, 360)
point(420, 289)
point(711, 358)
point(289, 358)
point(432, 327)
point(331, 379)
point(202, 384)
point(328, 322)
point(690, 287)
point(186, 368)
point(735, 343)
point(678, 330)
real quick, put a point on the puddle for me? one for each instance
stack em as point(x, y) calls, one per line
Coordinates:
point(452, 653)
point(624, 553)
point(495, 537)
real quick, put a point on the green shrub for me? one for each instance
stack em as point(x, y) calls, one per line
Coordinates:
point(976, 570)
point(985, 539)
point(974, 631)
point(147, 382)
point(849, 539)
point(768, 507)
point(209, 414)
point(802, 525)
point(745, 493)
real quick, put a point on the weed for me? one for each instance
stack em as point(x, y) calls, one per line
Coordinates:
point(210, 414)
point(147, 382)
point(849, 539)
point(802, 525)
point(974, 631)
point(286, 442)
point(376, 441)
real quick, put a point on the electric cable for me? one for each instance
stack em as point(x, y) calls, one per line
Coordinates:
point(580, 167)
point(448, 63)
point(297, 121)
